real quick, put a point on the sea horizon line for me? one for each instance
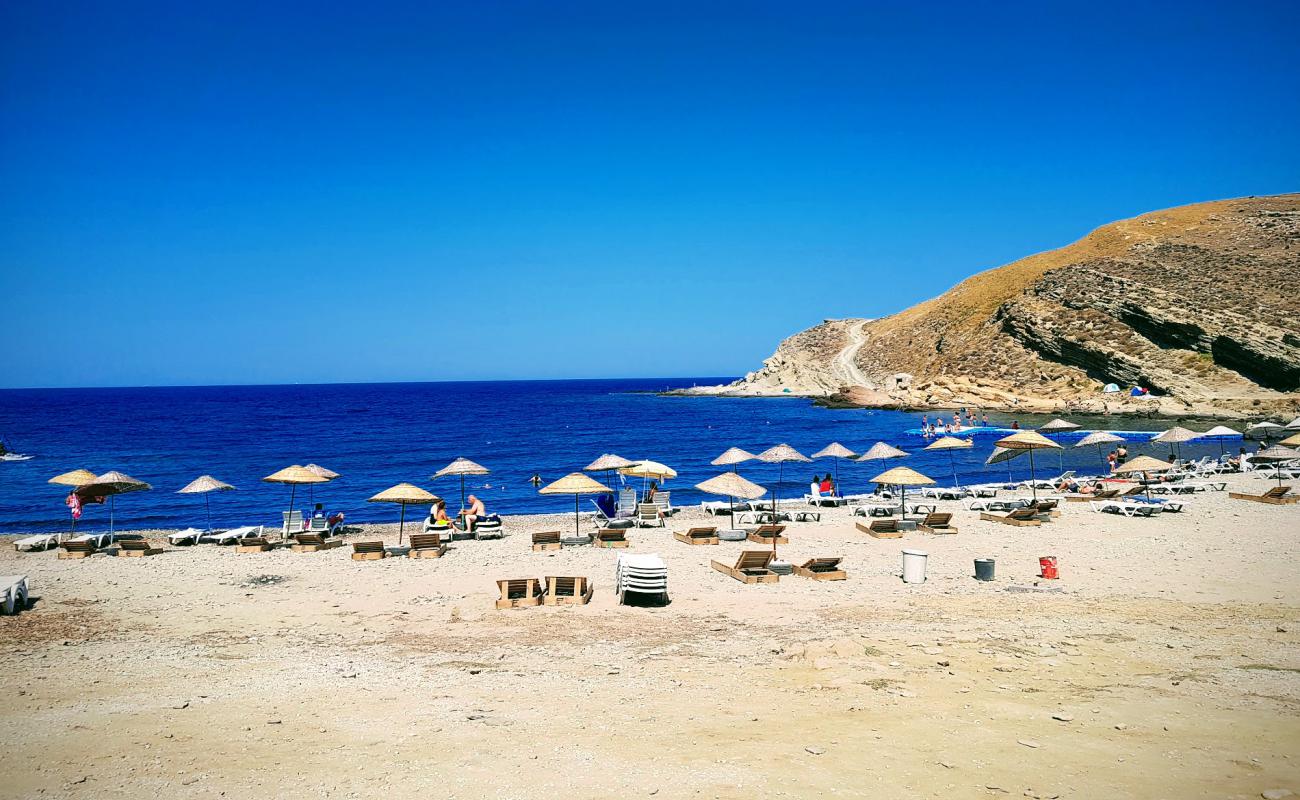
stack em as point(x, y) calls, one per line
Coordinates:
point(364, 383)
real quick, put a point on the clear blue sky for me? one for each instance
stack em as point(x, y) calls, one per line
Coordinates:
point(273, 192)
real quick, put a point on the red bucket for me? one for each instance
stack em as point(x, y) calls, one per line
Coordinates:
point(1047, 566)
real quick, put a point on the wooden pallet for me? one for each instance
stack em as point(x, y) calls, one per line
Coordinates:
point(136, 548)
point(254, 545)
point(1019, 521)
point(610, 539)
point(546, 540)
point(881, 529)
point(519, 593)
point(368, 551)
point(698, 536)
point(822, 569)
point(427, 545)
point(750, 567)
point(308, 545)
point(561, 591)
point(1284, 500)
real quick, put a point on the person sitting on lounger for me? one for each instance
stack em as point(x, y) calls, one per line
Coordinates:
point(319, 513)
point(474, 513)
point(827, 486)
point(815, 488)
point(438, 515)
point(650, 493)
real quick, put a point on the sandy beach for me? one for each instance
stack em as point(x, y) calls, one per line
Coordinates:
point(1165, 662)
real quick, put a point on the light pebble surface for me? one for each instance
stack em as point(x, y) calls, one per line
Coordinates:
point(1169, 643)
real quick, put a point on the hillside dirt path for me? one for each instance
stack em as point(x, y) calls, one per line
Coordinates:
point(844, 365)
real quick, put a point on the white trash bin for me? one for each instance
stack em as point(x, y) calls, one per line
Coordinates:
point(914, 566)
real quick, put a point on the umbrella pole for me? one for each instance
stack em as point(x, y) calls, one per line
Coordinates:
point(401, 524)
point(1033, 479)
point(576, 530)
point(293, 488)
point(112, 506)
point(207, 508)
point(462, 492)
point(902, 502)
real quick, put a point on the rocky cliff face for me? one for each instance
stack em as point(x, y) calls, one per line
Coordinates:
point(1201, 304)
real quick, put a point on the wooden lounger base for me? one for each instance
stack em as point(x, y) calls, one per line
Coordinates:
point(681, 537)
point(428, 552)
point(568, 591)
point(252, 548)
point(152, 551)
point(541, 548)
point(1259, 498)
point(947, 531)
point(832, 575)
point(369, 556)
point(610, 543)
point(67, 556)
point(519, 593)
point(1019, 523)
point(767, 540)
point(316, 548)
point(747, 576)
point(879, 534)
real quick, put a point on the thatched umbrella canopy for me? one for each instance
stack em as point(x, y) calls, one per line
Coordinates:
point(951, 444)
point(733, 455)
point(77, 477)
point(1274, 455)
point(1031, 441)
point(836, 451)
point(1291, 441)
point(461, 467)
point(1264, 430)
point(110, 485)
point(1099, 438)
point(731, 485)
point(576, 484)
point(328, 474)
point(1293, 425)
point(879, 451)
point(1058, 426)
point(404, 494)
point(649, 469)
point(1002, 454)
point(609, 463)
point(780, 454)
point(903, 477)
point(205, 485)
point(1175, 436)
point(295, 476)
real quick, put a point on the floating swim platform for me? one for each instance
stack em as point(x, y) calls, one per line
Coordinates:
point(990, 430)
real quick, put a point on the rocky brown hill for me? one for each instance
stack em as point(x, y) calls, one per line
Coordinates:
point(1201, 304)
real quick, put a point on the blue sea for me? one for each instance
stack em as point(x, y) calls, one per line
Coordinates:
point(376, 435)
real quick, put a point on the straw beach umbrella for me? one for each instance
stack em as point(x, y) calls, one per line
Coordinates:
point(836, 451)
point(576, 484)
point(1291, 441)
point(903, 477)
point(294, 476)
point(1099, 438)
point(880, 451)
point(327, 474)
point(608, 463)
point(1174, 436)
point(779, 455)
point(1274, 455)
point(1001, 454)
point(404, 494)
point(205, 485)
point(110, 485)
point(461, 467)
point(1143, 464)
point(731, 485)
point(1264, 430)
point(1222, 432)
point(951, 444)
point(733, 455)
point(75, 478)
point(1059, 426)
point(1031, 441)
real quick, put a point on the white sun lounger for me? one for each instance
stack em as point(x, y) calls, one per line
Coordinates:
point(41, 541)
point(945, 492)
point(190, 535)
point(1125, 508)
point(13, 593)
point(823, 500)
point(231, 536)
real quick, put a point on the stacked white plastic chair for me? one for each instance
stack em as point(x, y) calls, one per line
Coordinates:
point(641, 573)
